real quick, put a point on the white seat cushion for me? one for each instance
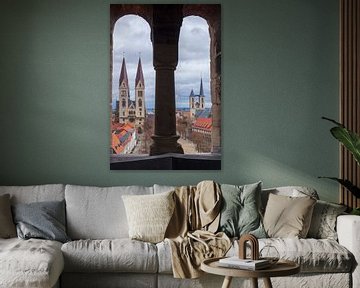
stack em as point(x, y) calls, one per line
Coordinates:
point(313, 255)
point(30, 263)
point(117, 255)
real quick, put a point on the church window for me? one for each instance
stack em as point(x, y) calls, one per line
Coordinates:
point(140, 103)
point(123, 103)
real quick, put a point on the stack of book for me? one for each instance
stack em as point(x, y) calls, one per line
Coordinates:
point(248, 264)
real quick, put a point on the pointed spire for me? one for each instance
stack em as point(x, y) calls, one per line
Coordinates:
point(123, 74)
point(201, 88)
point(192, 93)
point(139, 74)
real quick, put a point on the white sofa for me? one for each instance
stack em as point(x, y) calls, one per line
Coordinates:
point(101, 254)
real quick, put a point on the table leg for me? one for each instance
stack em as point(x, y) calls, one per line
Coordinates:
point(227, 282)
point(267, 283)
point(254, 282)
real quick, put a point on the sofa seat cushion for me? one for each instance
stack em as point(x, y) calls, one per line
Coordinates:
point(115, 255)
point(30, 263)
point(313, 255)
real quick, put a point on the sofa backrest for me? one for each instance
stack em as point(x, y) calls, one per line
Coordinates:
point(98, 213)
point(293, 191)
point(36, 193)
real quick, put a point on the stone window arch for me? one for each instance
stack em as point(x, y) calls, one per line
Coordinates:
point(211, 13)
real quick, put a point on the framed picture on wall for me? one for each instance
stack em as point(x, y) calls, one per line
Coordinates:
point(165, 97)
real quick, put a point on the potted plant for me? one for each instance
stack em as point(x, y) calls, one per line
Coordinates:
point(351, 141)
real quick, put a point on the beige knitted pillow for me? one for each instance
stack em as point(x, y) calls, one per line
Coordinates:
point(288, 217)
point(149, 215)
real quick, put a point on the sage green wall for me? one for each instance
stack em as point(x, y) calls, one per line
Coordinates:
point(280, 75)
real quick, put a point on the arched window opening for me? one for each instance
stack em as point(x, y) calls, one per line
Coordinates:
point(132, 84)
point(193, 96)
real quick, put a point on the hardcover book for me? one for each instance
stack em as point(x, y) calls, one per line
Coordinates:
point(236, 262)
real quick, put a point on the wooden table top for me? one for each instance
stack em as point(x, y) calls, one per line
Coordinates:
point(281, 268)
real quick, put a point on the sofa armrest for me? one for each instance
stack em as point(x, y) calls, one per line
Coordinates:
point(348, 230)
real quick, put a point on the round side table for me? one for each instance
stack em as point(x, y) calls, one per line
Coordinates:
point(281, 268)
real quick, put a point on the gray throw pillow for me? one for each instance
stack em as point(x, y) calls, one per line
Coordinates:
point(44, 220)
point(323, 222)
point(240, 213)
point(7, 227)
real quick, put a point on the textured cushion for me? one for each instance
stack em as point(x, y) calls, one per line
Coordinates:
point(98, 213)
point(287, 216)
point(36, 193)
point(44, 220)
point(240, 210)
point(149, 215)
point(32, 263)
point(7, 227)
point(323, 222)
point(117, 255)
point(313, 255)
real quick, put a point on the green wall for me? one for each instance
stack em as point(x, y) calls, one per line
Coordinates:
point(280, 75)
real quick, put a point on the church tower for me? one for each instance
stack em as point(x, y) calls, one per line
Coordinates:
point(140, 97)
point(201, 97)
point(196, 102)
point(124, 94)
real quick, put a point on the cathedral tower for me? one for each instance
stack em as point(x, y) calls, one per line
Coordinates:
point(140, 96)
point(124, 94)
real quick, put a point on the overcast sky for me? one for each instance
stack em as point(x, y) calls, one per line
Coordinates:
point(132, 38)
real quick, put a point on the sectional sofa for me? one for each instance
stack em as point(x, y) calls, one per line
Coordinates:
point(100, 253)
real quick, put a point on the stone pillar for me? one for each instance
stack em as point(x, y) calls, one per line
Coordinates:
point(215, 74)
point(167, 21)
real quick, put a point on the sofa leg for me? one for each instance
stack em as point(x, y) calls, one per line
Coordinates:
point(227, 282)
point(267, 282)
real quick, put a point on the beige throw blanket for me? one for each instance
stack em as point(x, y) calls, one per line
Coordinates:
point(191, 231)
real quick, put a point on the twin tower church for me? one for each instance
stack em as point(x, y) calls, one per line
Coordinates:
point(127, 110)
point(134, 111)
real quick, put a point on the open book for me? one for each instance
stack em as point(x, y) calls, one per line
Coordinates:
point(236, 262)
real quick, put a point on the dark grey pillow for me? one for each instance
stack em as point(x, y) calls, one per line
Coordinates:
point(240, 213)
point(44, 220)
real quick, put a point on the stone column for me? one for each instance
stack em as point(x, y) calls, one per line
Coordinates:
point(167, 21)
point(215, 74)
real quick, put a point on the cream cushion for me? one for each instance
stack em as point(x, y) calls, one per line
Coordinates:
point(288, 216)
point(30, 263)
point(149, 215)
point(110, 255)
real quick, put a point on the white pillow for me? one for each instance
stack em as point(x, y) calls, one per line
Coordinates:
point(149, 215)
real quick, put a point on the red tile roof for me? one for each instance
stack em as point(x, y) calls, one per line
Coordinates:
point(203, 124)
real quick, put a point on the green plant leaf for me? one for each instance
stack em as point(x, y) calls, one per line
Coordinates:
point(348, 138)
point(347, 184)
